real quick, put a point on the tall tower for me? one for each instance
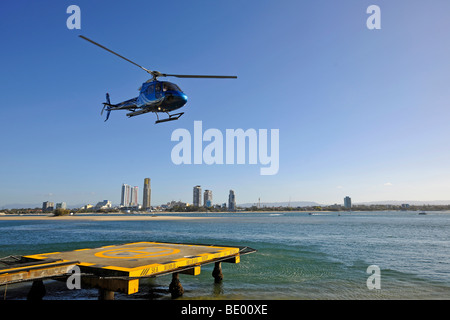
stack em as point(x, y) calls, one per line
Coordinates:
point(207, 199)
point(231, 201)
point(197, 201)
point(146, 200)
point(347, 202)
point(134, 196)
point(126, 195)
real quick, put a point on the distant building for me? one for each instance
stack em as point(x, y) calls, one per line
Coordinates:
point(147, 195)
point(134, 197)
point(197, 201)
point(347, 202)
point(126, 195)
point(335, 206)
point(207, 199)
point(173, 203)
point(129, 196)
point(48, 206)
point(231, 201)
point(61, 205)
point(105, 204)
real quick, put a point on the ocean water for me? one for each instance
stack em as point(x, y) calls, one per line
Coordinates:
point(300, 256)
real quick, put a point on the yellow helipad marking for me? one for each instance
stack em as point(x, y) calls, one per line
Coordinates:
point(140, 259)
point(137, 252)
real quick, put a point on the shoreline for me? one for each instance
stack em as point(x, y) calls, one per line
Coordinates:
point(92, 216)
point(160, 216)
point(98, 218)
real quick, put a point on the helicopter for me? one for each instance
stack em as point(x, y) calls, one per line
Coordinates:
point(154, 95)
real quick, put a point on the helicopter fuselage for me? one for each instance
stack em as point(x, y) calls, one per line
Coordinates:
point(154, 96)
point(160, 96)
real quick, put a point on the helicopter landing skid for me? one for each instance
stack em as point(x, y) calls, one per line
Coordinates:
point(171, 117)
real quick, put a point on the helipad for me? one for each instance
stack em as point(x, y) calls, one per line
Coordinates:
point(118, 268)
point(140, 258)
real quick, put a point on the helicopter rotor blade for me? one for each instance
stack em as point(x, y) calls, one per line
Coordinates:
point(157, 74)
point(198, 76)
point(103, 47)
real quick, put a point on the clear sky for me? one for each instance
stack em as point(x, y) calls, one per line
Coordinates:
point(360, 112)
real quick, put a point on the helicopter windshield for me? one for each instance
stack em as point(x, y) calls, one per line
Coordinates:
point(168, 86)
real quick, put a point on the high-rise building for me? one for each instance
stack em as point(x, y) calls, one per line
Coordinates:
point(347, 202)
point(146, 199)
point(48, 206)
point(231, 201)
point(197, 201)
point(129, 196)
point(207, 199)
point(134, 196)
point(126, 193)
point(61, 205)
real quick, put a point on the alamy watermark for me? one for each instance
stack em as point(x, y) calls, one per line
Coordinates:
point(74, 20)
point(238, 143)
point(374, 280)
point(74, 280)
point(374, 21)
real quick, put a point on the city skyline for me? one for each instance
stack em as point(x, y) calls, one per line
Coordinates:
point(293, 203)
point(360, 112)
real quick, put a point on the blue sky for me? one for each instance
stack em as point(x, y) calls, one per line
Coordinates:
point(360, 112)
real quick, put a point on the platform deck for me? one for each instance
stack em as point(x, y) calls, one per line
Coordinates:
point(140, 258)
point(118, 268)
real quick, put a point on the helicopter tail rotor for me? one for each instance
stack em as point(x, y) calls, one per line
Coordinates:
point(107, 106)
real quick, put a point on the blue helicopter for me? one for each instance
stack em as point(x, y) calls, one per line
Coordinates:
point(154, 96)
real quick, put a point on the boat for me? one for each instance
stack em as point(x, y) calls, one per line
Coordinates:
point(422, 213)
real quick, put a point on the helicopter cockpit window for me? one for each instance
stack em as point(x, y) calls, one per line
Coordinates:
point(170, 87)
point(151, 89)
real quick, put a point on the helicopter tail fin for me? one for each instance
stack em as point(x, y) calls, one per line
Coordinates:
point(106, 105)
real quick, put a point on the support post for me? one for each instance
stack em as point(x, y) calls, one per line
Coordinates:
point(37, 291)
point(217, 272)
point(175, 287)
point(104, 294)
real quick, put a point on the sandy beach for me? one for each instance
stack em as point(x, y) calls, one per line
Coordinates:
point(99, 217)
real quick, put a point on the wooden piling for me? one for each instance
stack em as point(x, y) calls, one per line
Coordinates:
point(104, 294)
point(37, 291)
point(175, 287)
point(217, 272)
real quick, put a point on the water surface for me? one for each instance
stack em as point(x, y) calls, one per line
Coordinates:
point(300, 256)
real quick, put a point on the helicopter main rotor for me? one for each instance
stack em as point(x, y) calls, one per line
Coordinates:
point(156, 74)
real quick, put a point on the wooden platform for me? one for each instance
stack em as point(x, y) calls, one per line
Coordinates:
point(23, 269)
point(118, 268)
